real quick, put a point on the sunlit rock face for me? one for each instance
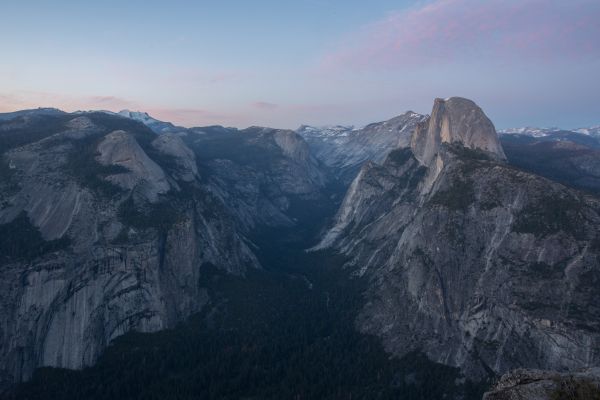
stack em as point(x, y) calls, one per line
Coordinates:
point(455, 120)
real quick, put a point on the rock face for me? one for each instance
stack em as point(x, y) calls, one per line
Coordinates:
point(263, 175)
point(110, 230)
point(345, 149)
point(455, 120)
point(107, 226)
point(477, 264)
point(546, 385)
point(120, 149)
point(173, 146)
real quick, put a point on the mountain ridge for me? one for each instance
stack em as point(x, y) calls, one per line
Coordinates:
point(467, 257)
point(129, 221)
point(345, 149)
point(451, 246)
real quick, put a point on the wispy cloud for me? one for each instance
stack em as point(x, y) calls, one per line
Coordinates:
point(105, 102)
point(195, 116)
point(263, 105)
point(445, 31)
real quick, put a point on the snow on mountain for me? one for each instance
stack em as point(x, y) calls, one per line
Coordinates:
point(529, 131)
point(346, 148)
point(591, 131)
point(541, 132)
point(138, 116)
point(156, 125)
point(330, 131)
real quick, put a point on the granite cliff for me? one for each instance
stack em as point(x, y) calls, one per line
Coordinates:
point(478, 264)
point(344, 149)
point(458, 257)
point(108, 227)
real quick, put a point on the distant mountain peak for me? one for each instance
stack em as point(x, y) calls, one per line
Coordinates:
point(529, 131)
point(137, 115)
point(346, 148)
point(537, 132)
point(325, 130)
point(156, 125)
point(31, 112)
point(455, 120)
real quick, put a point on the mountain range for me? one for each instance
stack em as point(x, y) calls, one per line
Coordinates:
point(471, 260)
point(151, 258)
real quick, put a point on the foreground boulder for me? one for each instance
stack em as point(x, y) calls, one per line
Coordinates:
point(527, 384)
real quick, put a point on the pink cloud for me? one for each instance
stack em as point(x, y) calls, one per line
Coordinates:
point(106, 102)
point(470, 30)
point(195, 116)
point(32, 99)
point(263, 105)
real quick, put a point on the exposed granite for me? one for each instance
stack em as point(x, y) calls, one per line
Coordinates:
point(527, 384)
point(479, 265)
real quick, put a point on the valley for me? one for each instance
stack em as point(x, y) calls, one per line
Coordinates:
point(424, 260)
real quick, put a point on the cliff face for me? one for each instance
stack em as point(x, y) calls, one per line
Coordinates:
point(262, 175)
point(455, 120)
point(106, 227)
point(120, 149)
point(344, 149)
point(479, 265)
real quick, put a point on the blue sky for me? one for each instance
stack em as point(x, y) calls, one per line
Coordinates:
point(279, 63)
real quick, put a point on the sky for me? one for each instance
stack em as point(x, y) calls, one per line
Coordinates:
point(287, 63)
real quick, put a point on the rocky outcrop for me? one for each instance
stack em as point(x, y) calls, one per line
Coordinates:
point(120, 149)
point(38, 187)
point(477, 264)
point(345, 149)
point(455, 120)
point(546, 385)
point(100, 245)
point(173, 146)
